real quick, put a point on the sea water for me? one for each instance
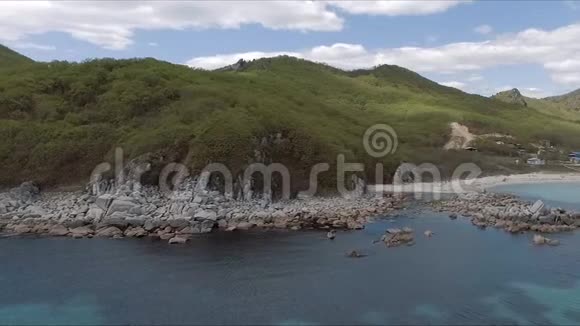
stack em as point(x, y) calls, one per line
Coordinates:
point(461, 275)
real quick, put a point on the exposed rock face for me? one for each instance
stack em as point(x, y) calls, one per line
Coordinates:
point(138, 211)
point(511, 96)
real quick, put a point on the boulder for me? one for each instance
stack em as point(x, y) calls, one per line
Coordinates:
point(22, 228)
point(206, 226)
point(117, 220)
point(135, 232)
point(541, 240)
point(27, 191)
point(95, 213)
point(205, 214)
point(244, 226)
point(81, 232)
point(150, 225)
point(104, 201)
point(34, 212)
point(178, 223)
point(109, 231)
point(135, 221)
point(331, 235)
point(177, 240)
point(166, 236)
point(122, 206)
point(355, 254)
point(58, 230)
point(398, 237)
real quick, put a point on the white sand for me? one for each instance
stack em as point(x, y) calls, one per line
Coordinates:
point(478, 184)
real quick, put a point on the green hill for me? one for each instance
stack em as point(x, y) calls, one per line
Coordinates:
point(9, 57)
point(569, 101)
point(59, 120)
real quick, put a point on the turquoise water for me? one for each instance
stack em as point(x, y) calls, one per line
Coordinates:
point(462, 275)
point(565, 195)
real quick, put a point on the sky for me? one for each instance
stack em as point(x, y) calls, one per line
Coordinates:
point(480, 47)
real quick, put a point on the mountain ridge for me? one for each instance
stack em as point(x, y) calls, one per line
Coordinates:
point(60, 120)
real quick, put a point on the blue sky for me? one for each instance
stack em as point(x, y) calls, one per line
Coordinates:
point(478, 46)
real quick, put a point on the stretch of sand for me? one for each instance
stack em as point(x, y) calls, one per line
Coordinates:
point(477, 184)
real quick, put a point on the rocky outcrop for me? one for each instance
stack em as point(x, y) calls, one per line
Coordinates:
point(509, 213)
point(511, 96)
point(541, 240)
point(126, 212)
point(398, 237)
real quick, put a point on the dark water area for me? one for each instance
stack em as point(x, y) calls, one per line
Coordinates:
point(462, 275)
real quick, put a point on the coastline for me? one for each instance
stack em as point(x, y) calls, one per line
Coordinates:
point(479, 184)
point(145, 212)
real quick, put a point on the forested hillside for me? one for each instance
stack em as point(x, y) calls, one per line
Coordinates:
point(59, 119)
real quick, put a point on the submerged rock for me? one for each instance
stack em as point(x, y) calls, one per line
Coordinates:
point(177, 240)
point(355, 254)
point(331, 235)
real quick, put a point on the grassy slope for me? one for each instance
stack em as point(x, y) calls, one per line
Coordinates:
point(9, 57)
point(59, 120)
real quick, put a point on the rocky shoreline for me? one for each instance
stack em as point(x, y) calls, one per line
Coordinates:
point(146, 212)
point(509, 213)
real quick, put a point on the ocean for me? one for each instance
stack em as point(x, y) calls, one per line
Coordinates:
point(461, 275)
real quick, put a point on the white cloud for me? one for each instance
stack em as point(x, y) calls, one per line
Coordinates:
point(483, 29)
point(455, 84)
point(475, 78)
point(396, 8)
point(33, 46)
point(111, 24)
point(153, 44)
point(534, 92)
point(558, 51)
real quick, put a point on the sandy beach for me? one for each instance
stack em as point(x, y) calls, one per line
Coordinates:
point(477, 184)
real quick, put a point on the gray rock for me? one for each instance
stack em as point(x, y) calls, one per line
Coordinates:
point(116, 220)
point(178, 222)
point(81, 232)
point(204, 214)
point(135, 232)
point(150, 225)
point(58, 230)
point(177, 240)
point(95, 214)
point(122, 206)
point(104, 201)
point(109, 231)
point(207, 226)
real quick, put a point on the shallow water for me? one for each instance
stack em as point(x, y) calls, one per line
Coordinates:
point(462, 275)
point(565, 195)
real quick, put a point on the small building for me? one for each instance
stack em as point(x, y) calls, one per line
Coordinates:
point(574, 157)
point(534, 161)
